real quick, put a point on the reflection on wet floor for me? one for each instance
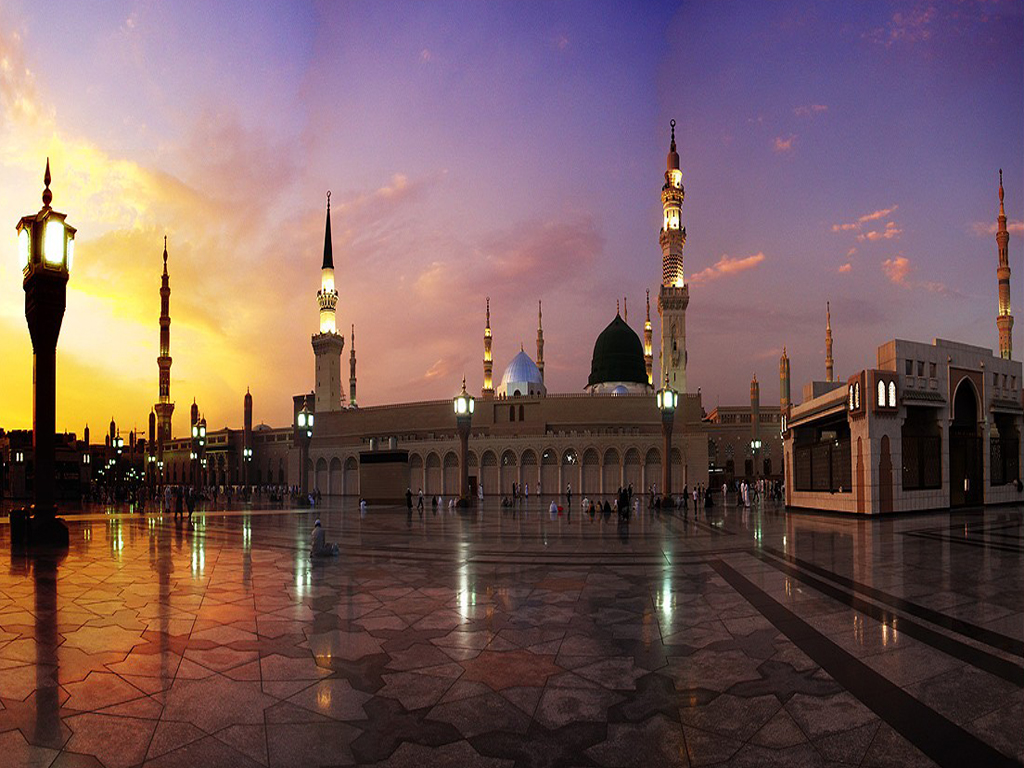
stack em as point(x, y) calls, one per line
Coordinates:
point(501, 636)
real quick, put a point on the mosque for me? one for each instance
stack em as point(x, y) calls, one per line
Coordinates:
point(605, 436)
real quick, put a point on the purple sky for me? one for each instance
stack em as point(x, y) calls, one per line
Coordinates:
point(841, 151)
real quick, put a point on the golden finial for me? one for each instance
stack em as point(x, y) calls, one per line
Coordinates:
point(47, 194)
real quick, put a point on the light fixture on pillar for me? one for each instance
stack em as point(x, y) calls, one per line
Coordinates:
point(464, 405)
point(46, 249)
point(667, 400)
point(303, 435)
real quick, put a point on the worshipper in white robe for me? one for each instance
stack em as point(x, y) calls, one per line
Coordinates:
point(318, 546)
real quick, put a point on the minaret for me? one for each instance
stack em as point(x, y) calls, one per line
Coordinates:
point(784, 382)
point(829, 364)
point(540, 341)
point(164, 407)
point(328, 344)
point(488, 388)
point(193, 414)
point(246, 437)
point(648, 351)
point(673, 296)
point(1004, 322)
point(625, 310)
point(86, 436)
point(352, 370)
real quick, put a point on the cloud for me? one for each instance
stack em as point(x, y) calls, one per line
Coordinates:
point(860, 222)
point(899, 270)
point(890, 231)
point(810, 110)
point(784, 144)
point(852, 251)
point(426, 55)
point(908, 27)
point(847, 267)
point(727, 266)
point(983, 229)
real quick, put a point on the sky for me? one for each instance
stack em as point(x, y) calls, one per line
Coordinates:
point(842, 152)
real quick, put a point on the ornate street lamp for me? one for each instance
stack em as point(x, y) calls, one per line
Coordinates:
point(197, 454)
point(464, 405)
point(46, 249)
point(303, 434)
point(755, 450)
point(668, 401)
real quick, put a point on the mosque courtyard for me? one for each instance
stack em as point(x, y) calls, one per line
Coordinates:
point(501, 637)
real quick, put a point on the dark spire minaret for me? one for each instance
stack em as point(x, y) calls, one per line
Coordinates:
point(352, 370)
point(488, 388)
point(829, 363)
point(164, 408)
point(1004, 322)
point(648, 350)
point(540, 340)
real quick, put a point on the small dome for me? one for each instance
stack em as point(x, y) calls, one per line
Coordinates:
point(521, 370)
point(620, 390)
point(618, 356)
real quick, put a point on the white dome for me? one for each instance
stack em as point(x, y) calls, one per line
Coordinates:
point(522, 370)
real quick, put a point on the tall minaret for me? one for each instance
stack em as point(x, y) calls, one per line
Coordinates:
point(1004, 322)
point(164, 407)
point(540, 340)
point(328, 344)
point(488, 388)
point(648, 350)
point(784, 382)
point(829, 364)
point(246, 437)
point(352, 370)
point(674, 296)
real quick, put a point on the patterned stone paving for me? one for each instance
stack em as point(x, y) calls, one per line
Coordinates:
point(749, 637)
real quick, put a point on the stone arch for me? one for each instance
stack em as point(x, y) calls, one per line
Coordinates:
point(529, 471)
point(549, 472)
point(652, 470)
point(611, 471)
point(415, 472)
point(451, 473)
point(351, 477)
point(509, 471)
point(489, 472)
point(591, 483)
point(335, 481)
point(320, 482)
point(631, 470)
point(433, 474)
point(570, 469)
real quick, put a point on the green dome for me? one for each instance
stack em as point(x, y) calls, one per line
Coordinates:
point(618, 356)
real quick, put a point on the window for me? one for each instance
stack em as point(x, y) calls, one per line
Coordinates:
point(511, 413)
point(892, 394)
point(920, 367)
point(851, 397)
point(881, 393)
point(910, 367)
point(856, 394)
point(931, 370)
point(1004, 381)
point(520, 413)
point(1013, 382)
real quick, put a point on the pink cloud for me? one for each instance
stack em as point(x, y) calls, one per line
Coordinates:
point(847, 267)
point(911, 26)
point(784, 144)
point(810, 110)
point(727, 266)
point(982, 229)
point(850, 252)
point(890, 231)
point(860, 222)
point(897, 269)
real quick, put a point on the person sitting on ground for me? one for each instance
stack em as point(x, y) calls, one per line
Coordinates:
point(362, 508)
point(318, 544)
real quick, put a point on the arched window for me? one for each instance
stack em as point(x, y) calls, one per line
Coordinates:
point(881, 393)
point(856, 394)
point(511, 413)
point(520, 413)
point(851, 397)
point(892, 394)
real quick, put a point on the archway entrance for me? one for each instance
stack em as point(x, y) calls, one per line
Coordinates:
point(965, 449)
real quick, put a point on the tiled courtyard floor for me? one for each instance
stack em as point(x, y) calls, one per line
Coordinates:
point(487, 639)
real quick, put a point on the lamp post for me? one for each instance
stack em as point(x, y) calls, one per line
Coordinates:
point(668, 400)
point(303, 435)
point(198, 450)
point(118, 444)
point(246, 462)
point(46, 248)
point(464, 405)
point(755, 450)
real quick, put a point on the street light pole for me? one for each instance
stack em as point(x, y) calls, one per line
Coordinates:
point(303, 434)
point(668, 400)
point(464, 406)
point(46, 250)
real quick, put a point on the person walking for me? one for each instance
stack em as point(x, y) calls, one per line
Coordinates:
point(408, 500)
